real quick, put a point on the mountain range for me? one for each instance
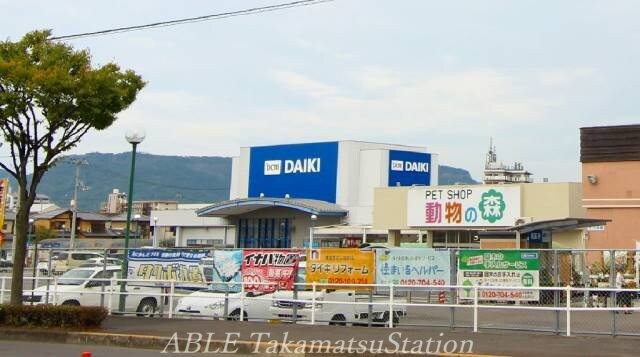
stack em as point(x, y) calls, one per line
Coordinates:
point(186, 179)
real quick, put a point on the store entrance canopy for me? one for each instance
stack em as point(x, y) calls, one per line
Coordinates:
point(246, 205)
point(564, 224)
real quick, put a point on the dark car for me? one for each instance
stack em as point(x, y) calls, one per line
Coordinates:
point(5, 263)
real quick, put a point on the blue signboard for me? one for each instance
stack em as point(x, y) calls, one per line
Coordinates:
point(299, 170)
point(408, 168)
point(413, 266)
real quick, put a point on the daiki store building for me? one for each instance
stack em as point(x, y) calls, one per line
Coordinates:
point(319, 194)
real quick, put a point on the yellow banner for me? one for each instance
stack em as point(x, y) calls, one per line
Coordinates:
point(340, 266)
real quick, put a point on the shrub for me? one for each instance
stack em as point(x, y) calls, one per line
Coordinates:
point(51, 316)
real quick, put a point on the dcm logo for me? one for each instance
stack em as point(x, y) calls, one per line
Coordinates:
point(300, 166)
point(409, 166)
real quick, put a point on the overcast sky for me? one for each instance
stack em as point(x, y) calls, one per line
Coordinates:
point(443, 74)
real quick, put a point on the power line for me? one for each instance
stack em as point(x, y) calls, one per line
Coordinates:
point(223, 15)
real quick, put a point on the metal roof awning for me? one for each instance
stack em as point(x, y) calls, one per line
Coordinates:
point(246, 205)
point(559, 225)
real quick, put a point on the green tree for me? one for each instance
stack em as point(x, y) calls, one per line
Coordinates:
point(50, 97)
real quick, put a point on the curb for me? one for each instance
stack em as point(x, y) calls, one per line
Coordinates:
point(159, 343)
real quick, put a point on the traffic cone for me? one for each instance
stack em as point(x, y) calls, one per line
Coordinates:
point(85, 354)
point(442, 298)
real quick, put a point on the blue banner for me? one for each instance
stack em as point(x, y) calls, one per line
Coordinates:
point(226, 270)
point(178, 265)
point(412, 266)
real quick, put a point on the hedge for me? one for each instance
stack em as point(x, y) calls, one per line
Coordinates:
point(51, 316)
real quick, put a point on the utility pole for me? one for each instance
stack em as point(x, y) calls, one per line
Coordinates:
point(74, 203)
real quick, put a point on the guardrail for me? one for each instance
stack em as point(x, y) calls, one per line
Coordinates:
point(480, 313)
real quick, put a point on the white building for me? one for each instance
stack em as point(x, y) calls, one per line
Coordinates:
point(186, 229)
point(496, 173)
point(280, 193)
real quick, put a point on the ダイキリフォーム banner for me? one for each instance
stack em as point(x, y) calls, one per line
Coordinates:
point(340, 266)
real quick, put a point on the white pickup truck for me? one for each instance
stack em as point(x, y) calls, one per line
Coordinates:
point(335, 307)
point(84, 286)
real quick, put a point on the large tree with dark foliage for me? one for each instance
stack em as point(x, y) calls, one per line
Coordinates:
point(50, 97)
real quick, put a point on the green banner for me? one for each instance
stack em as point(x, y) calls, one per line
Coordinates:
point(499, 260)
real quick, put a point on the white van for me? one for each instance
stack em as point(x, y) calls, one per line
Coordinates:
point(73, 259)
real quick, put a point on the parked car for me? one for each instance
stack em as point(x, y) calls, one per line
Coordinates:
point(211, 304)
point(4, 263)
point(341, 310)
point(73, 259)
point(84, 286)
point(98, 262)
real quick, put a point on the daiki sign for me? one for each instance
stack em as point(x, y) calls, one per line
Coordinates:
point(408, 168)
point(463, 206)
point(298, 170)
point(269, 270)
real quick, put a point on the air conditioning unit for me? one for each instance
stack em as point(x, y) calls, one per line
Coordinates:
point(523, 220)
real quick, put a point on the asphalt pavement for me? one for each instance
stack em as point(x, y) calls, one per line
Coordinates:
point(503, 343)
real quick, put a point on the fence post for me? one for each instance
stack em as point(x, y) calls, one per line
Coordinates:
point(226, 301)
point(391, 306)
point(104, 273)
point(612, 294)
point(475, 308)
point(295, 304)
point(370, 309)
point(556, 293)
point(242, 301)
point(171, 292)
point(313, 303)
point(55, 290)
point(4, 286)
point(49, 274)
point(568, 291)
point(112, 287)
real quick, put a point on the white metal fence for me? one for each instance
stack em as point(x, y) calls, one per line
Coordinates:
point(309, 303)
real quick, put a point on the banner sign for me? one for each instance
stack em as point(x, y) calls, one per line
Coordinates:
point(226, 270)
point(269, 270)
point(182, 266)
point(340, 266)
point(410, 266)
point(463, 206)
point(519, 268)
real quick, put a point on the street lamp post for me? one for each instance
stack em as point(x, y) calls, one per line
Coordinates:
point(134, 138)
point(314, 218)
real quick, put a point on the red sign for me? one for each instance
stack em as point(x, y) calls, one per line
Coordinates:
point(269, 270)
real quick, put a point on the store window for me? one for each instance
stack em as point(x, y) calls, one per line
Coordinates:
point(264, 233)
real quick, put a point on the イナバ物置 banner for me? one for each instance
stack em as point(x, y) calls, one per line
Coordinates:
point(269, 270)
